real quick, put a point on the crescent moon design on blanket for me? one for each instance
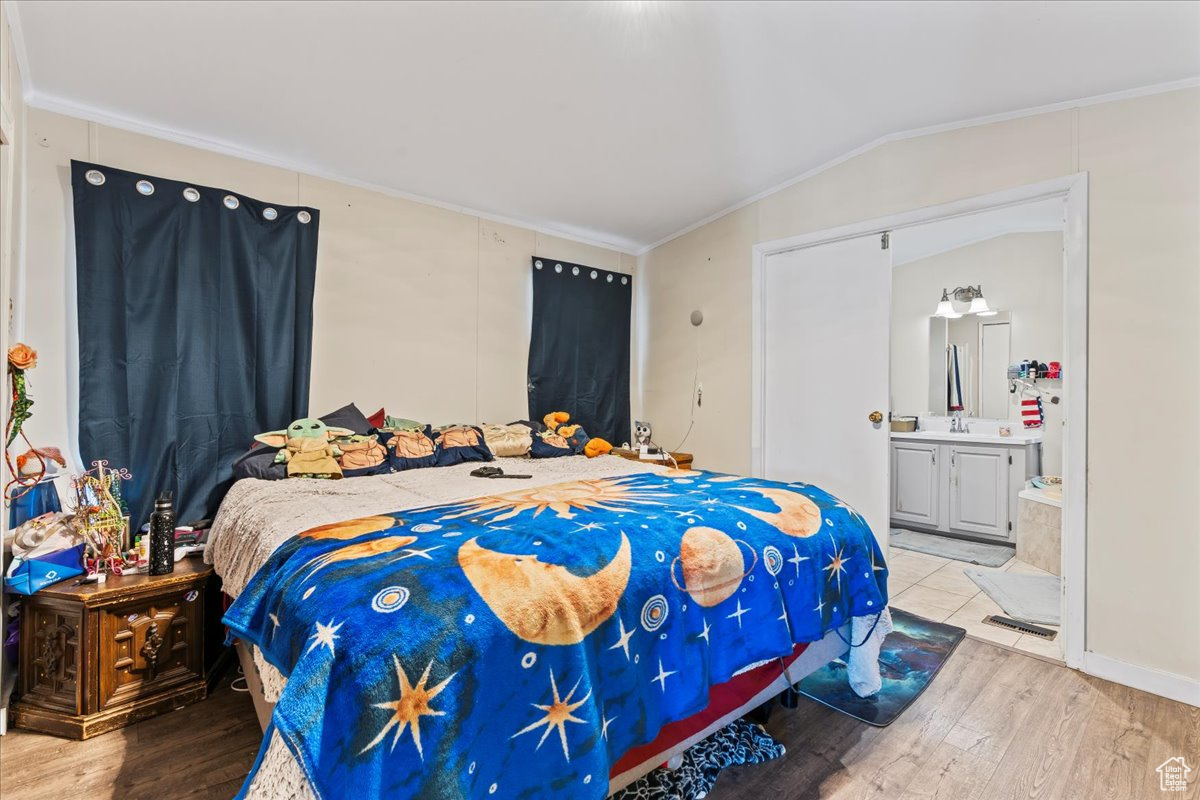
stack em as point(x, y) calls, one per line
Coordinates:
point(351, 528)
point(373, 547)
point(545, 603)
point(797, 515)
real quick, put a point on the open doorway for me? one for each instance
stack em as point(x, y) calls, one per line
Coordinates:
point(977, 364)
point(851, 415)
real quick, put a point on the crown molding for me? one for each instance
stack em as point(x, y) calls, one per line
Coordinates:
point(58, 105)
point(17, 33)
point(1066, 105)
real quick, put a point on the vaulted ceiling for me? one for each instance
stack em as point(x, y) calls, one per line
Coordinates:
point(618, 122)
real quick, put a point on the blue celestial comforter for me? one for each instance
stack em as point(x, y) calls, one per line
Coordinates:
point(517, 645)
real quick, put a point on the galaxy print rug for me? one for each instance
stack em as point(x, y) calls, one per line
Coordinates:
point(911, 655)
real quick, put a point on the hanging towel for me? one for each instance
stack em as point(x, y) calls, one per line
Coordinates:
point(1032, 414)
point(954, 398)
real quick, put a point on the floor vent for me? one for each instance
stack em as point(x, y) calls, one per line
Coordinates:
point(1020, 627)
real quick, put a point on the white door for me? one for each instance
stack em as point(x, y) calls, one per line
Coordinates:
point(993, 370)
point(979, 490)
point(826, 314)
point(915, 483)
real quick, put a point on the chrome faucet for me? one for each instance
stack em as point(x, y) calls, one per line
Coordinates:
point(956, 423)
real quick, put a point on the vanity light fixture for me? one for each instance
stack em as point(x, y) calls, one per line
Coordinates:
point(963, 294)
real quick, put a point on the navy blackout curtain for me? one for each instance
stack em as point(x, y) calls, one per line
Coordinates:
point(579, 347)
point(195, 329)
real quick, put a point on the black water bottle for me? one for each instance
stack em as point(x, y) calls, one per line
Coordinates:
point(162, 536)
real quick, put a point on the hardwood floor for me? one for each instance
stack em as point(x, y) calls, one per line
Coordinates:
point(993, 725)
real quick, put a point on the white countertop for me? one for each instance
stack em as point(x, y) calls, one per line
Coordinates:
point(1020, 436)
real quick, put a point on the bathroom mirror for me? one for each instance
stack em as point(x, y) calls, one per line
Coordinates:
point(968, 363)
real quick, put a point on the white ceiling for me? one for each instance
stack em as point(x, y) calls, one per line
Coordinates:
point(922, 241)
point(618, 122)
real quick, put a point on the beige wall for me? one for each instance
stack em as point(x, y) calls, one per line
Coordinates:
point(419, 309)
point(1143, 160)
point(1022, 274)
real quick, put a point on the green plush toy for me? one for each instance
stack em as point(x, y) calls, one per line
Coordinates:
point(307, 448)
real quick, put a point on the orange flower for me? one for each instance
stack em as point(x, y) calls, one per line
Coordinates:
point(22, 356)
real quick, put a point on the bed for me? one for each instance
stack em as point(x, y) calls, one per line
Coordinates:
point(449, 636)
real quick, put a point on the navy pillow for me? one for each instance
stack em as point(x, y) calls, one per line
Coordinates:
point(348, 417)
point(535, 426)
point(550, 445)
point(259, 463)
point(460, 443)
point(409, 449)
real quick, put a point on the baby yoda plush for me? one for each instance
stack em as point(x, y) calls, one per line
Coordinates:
point(308, 449)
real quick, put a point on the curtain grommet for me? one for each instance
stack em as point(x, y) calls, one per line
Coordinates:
point(624, 280)
point(574, 270)
point(595, 274)
point(610, 278)
point(558, 267)
point(191, 195)
point(270, 214)
point(304, 217)
point(537, 265)
point(95, 177)
point(144, 188)
point(231, 202)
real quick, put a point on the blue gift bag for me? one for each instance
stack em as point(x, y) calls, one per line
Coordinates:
point(26, 577)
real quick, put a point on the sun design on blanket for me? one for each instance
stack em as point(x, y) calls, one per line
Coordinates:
point(565, 499)
point(558, 714)
point(409, 707)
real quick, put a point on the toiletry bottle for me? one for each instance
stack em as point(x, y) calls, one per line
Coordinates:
point(162, 536)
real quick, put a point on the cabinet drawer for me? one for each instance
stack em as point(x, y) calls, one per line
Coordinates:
point(52, 651)
point(150, 644)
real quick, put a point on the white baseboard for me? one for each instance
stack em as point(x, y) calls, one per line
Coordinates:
point(1163, 684)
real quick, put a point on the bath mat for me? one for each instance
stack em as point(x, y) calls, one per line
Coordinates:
point(911, 655)
point(1028, 598)
point(739, 742)
point(981, 553)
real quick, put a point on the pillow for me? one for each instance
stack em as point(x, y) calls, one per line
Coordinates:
point(259, 462)
point(350, 418)
point(377, 419)
point(507, 441)
point(401, 424)
point(460, 443)
point(409, 449)
point(362, 455)
point(550, 445)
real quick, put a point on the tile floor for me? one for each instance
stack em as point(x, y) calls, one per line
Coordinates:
point(936, 588)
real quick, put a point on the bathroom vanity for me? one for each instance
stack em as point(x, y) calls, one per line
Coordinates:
point(964, 483)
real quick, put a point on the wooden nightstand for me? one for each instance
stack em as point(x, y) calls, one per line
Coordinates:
point(684, 460)
point(96, 657)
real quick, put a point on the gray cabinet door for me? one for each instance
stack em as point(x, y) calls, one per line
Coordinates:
point(915, 483)
point(979, 490)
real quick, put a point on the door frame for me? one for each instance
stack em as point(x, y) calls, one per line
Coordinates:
point(1074, 190)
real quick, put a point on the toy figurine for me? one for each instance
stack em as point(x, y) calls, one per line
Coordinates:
point(307, 448)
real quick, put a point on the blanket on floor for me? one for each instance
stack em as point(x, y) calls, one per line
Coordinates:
point(518, 644)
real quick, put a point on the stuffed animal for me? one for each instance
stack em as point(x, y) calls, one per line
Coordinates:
point(576, 437)
point(360, 452)
point(307, 448)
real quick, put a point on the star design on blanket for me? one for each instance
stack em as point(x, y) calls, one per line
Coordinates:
point(796, 559)
point(409, 707)
point(325, 636)
point(558, 714)
point(837, 565)
point(623, 639)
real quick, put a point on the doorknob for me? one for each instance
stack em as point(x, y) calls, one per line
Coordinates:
point(876, 417)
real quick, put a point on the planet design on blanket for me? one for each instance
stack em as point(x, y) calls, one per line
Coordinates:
point(712, 565)
point(560, 627)
point(545, 603)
